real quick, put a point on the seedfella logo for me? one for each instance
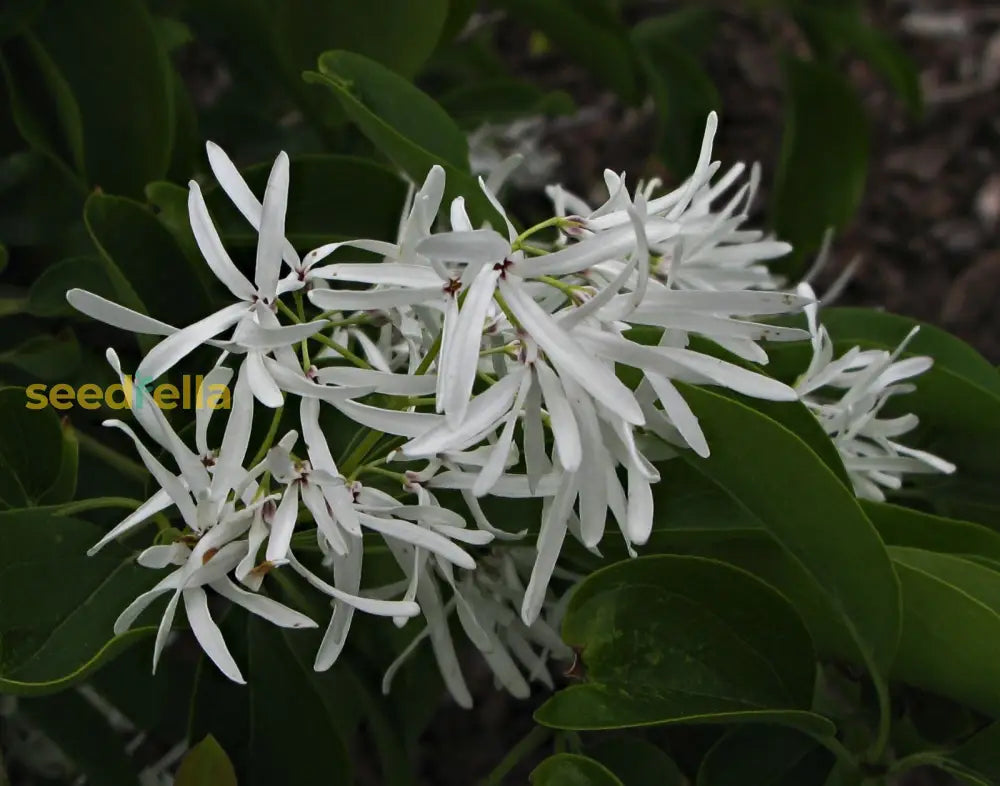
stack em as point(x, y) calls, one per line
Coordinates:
point(192, 394)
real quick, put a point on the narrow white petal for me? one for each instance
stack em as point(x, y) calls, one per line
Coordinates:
point(564, 428)
point(208, 634)
point(550, 540)
point(478, 245)
point(283, 525)
point(239, 193)
point(271, 239)
point(252, 335)
point(220, 375)
point(419, 536)
point(264, 607)
point(177, 346)
point(212, 249)
point(569, 357)
point(159, 501)
point(391, 421)
point(459, 366)
point(679, 412)
point(380, 608)
point(378, 381)
point(96, 307)
point(372, 299)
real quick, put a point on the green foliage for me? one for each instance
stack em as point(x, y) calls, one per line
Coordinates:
point(776, 629)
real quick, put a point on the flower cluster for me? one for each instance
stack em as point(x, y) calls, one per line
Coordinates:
point(467, 363)
point(847, 393)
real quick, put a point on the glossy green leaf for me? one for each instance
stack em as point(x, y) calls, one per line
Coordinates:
point(47, 296)
point(801, 503)
point(824, 156)
point(30, 449)
point(307, 751)
point(48, 357)
point(571, 769)
point(765, 756)
point(169, 203)
point(405, 124)
point(40, 200)
point(951, 627)
point(115, 65)
point(899, 526)
point(330, 198)
point(147, 256)
point(396, 33)
point(636, 762)
point(599, 45)
point(206, 764)
point(84, 736)
point(674, 639)
point(56, 638)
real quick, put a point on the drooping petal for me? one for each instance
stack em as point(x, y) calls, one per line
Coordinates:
point(283, 524)
point(478, 245)
point(161, 500)
point(264, 607)
point(208, 634)
point(218, 376)
point(550, 540)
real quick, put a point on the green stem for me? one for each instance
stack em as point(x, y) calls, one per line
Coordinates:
point(506, 309)
point(884, 720)
point(555, 221)
point(360, 453)
point(430, 357)
point(341, 350)
point(95, 503)
point(111, 457)
point(304, 345)
point(374, 469)
point(284, 309)
point(533, 740)
point(269, 439)
point(921, 759)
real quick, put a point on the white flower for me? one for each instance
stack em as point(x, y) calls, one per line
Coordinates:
point(486, 603)
point(847, 394)
point(257, 331)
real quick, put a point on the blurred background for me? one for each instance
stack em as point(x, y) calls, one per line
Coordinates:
point(880, 119)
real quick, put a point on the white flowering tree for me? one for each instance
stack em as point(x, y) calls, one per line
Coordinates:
point(617, 458)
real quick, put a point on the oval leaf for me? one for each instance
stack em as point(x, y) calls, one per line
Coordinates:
point(206, 764)
point(570, 769)
point(672, 639)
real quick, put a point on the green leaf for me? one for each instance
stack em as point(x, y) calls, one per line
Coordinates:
point(683, 91)
point(169, 203)
point(82, 733)
point(901, 526)
point(112, 59)
point(399, 34)
point(4, 257)
point(306, 751)
point(404, 123)
point(40, 201)
point(47, 296)
point(147, 256)
point(331, 198)
point(30, 449)
point(636, 762)
point(824, 156)
point(676, 639)
point(43, 106)
point(206, 764)
point(63, 489)
point(48, 357)
point(570, 769)
point(951, 353)
point(981, 753)
point(765, 756)
point(814, 517)
point(951, 627)
point(599, 45)
point(832, 30)
point(51, 638)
